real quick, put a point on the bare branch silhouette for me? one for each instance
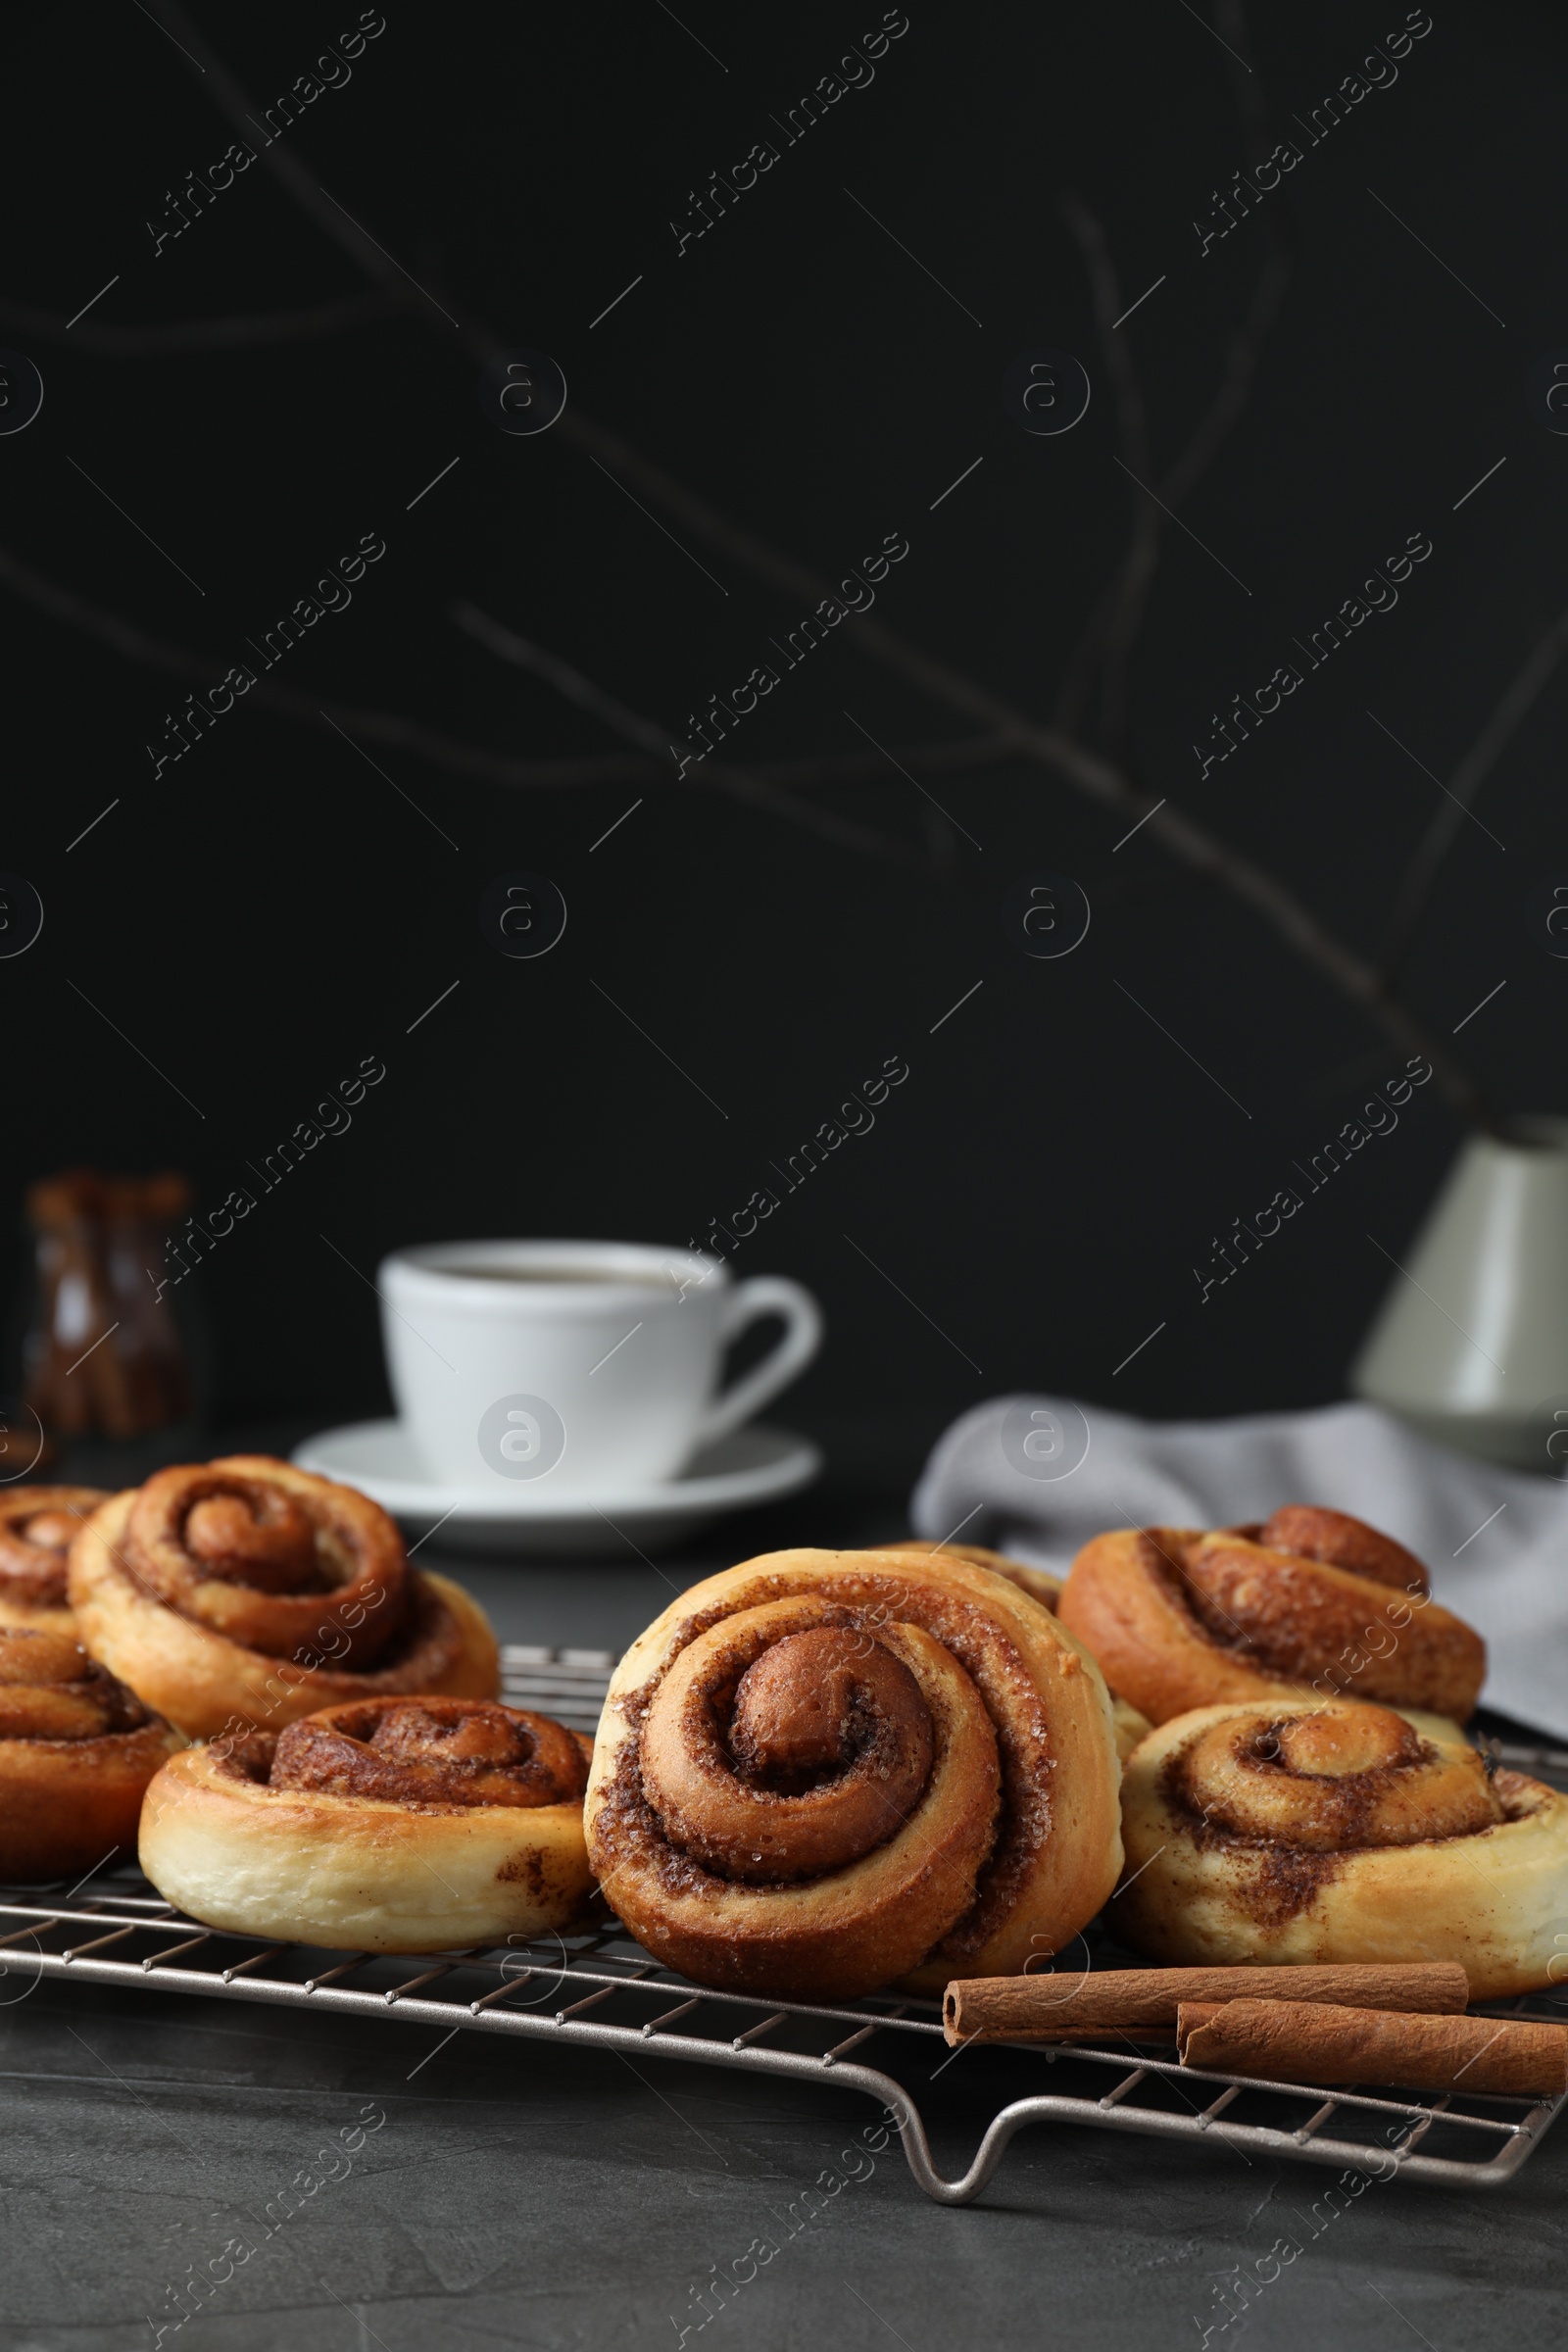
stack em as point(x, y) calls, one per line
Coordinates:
point(203, 334)
point(1504, 722)
point(397, 733)
point(1112, 627)
point(1049, 747)
point(1112, 642)
point(1098, 778)
point(1247, 345)
point(1242, 357)
point(655, 741)
point(769, 785)
point(961, 755)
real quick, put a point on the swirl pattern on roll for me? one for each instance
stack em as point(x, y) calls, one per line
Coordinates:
point(37, 1527)
point(1338, 1832)
point(76, 1751)
point(818, 1771)
point(390, 1825)
point(252, 1554)
point(1309, 1600)
point(432, 1751)
point(247, 1592)
point(1131, 1725)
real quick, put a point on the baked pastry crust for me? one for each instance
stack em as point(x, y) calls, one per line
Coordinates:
point(136, 1595)
point(76, 1751)
point(1130, 1723)
point(1281, 1833)
point(307, 1836)
point(37, 1526)
point(1001, 1853)
point(1308, 1602)
point(1038, 1582)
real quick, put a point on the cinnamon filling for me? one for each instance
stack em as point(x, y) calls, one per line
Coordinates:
point(279, 1561)
point(1279, 1608)
point(434, 1751)
point(250, 1536)
point(1341, 1541)
point(815, 1704)
point(780, 1763)
point(49, 1531)
point(51, 1690)
point(1329, 1782)
point(874, 1606)
point(37, 1527)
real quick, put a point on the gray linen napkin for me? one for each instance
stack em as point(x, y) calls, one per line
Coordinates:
point(1037, 1476)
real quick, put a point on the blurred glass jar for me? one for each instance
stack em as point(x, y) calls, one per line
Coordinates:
point(103, 1354)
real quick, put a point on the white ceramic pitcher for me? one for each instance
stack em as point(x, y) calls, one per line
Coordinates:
point(1471, 1344)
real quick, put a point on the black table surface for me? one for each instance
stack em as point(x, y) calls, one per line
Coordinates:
point(521, 2195)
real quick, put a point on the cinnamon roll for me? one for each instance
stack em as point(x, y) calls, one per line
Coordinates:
point(822, 1771)
point(1129, 1722)
point(244, 1593)
point(76, 1751)
point(1038, 1582)
point(1310, 1601)
point(37, 1527)
point(388, 1824)
point(1272, 1833)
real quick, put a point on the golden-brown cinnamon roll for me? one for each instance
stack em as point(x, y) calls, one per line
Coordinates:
point(1279, 1832)
point(818, 1771)
point(388, 1824)
point(244, 1593)
point(1038, 1582)
point(37, 1527)
point(1130, 1723)
point(1312, 1601)
point(76, 1751)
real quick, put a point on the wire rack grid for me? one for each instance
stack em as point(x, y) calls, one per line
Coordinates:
point(601, 1991)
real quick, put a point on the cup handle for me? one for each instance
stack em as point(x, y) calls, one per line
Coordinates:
point(763, 1294)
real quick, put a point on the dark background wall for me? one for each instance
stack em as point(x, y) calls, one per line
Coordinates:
point(271, 909)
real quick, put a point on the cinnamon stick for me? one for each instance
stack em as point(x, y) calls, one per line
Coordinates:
point(1068, 2006)
point(1306, 2042)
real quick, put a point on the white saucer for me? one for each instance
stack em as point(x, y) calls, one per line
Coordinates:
point(751, 1465)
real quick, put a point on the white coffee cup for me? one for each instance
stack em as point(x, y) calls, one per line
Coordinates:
point(592, 1364)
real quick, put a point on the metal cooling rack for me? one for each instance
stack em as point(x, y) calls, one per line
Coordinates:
point(567, 1684)
point(601, 1990)
point(1542, 1763)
